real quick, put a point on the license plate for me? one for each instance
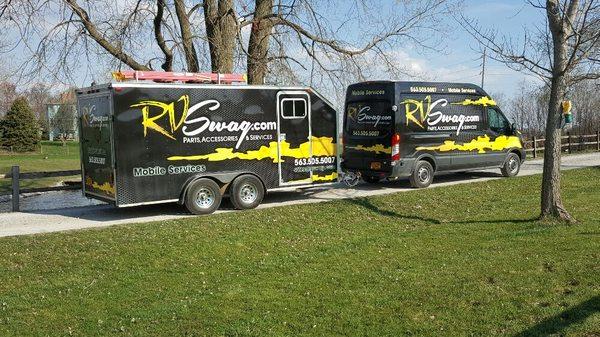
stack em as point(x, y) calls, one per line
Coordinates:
point(375, 165)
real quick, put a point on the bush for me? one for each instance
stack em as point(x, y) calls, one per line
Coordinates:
point(19, 128)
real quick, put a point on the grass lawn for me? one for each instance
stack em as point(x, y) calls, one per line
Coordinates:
point(52, 157)
point(458, 260)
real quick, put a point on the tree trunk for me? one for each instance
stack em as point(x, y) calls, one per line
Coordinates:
point(160, 40)
point(258, 45)
point(187, 41)
point(221, 28)
point(552, 206)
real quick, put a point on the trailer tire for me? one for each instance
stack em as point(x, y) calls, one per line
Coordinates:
point(246, 192)
point(512, 165)
point(203, 196)
point(422, 175)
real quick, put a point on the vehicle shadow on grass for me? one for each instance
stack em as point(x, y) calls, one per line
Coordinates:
point(553, 325)
point(366, 203)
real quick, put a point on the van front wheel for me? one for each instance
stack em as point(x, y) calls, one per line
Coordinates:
point(203, 196)
point(422, 176)
point(511, 166)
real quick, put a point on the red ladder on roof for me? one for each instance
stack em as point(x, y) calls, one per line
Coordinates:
point(165, 76)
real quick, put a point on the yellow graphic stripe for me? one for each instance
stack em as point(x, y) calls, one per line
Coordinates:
point(485, 101)
point(105, 187)
point(378, 148)
point(304, 180)
point(328, 177)
point(321, 146)
point(481, 144)
point(316, 177)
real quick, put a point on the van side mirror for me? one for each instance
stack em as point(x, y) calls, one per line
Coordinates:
point(513, 129)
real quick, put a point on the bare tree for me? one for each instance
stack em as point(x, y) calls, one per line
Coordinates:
point(299, 38)
point(301, 32)
point(586, 110)
point(562, 53)
point(528, 108)
point(8, 93)
point(64, 121)
point(38, 96)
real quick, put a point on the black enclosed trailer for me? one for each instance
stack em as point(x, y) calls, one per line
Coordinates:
point(146, 142)
point(396, 129)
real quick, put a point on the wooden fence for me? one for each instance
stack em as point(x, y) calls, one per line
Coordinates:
point(15, 176)
point(570, 142)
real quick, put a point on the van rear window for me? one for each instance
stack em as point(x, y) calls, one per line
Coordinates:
point(369, 119)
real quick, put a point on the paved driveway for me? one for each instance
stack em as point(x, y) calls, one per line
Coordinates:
point(21, 223)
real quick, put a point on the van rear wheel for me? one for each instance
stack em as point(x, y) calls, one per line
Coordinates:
point(246, 192)
point(422, 175)
point(203, 197)
point(511, 166)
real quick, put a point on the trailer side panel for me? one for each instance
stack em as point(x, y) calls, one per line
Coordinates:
point(166, 135)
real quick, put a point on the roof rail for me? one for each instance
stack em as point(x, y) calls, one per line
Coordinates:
point(166, 77)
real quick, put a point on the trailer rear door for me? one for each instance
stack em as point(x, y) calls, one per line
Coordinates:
point(97, 161)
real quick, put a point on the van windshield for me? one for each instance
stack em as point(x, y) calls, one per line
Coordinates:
point(369, 119)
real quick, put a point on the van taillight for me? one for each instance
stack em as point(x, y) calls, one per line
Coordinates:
point(395, 149)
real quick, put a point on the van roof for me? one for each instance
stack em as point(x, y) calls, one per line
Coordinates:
point(429, 87)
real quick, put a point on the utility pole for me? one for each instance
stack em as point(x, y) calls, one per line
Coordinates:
point(483, 67)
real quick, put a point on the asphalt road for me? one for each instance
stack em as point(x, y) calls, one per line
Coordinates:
point(43, 221)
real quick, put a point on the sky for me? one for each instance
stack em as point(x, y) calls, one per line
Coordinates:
point(460, 61)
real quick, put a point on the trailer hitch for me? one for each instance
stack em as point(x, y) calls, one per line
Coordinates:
point(351, 179)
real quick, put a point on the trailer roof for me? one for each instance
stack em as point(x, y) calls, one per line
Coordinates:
point(107, 86)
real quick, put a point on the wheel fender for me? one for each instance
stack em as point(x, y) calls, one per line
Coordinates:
point(426, 156)
point(515, 150)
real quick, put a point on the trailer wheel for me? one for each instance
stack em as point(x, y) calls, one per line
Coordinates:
point(422, 176)
point(203, 197)
point(247, 192)
point(511, 166)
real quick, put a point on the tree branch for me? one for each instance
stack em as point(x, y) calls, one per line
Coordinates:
point(97, 36)
point(168, 62)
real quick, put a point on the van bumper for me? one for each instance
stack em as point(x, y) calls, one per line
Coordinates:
point(403, 168)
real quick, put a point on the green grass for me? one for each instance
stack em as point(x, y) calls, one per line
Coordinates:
point(459, 260)
point(52, 156)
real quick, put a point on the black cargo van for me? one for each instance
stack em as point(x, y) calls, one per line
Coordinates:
point(398, 129)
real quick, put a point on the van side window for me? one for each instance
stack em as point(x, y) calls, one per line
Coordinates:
point(293, 108)
point(497, 121)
